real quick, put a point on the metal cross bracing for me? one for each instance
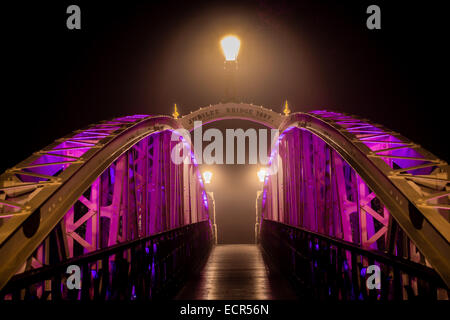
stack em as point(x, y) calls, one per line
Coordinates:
point(109, 184)
point(315, 187)
point(145, 268)
point(350, 179)
point(107, 195)
point(327, 268)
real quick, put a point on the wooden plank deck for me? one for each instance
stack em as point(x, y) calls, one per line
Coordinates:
point(236, 272)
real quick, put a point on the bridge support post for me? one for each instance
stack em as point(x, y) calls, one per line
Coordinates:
point(212, 214)
point(258, 209)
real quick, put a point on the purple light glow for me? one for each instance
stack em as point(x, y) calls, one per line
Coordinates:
point(377, 139)
point(345, 266)
point(310, 189)
point(205, 199)
point(363, 272)
point(140, 175)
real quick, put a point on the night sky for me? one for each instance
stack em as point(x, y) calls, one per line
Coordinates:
point(144, 56)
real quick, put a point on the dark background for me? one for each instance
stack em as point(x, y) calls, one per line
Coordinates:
point(143, 56)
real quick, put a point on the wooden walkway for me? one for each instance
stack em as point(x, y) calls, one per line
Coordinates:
point(236, 272)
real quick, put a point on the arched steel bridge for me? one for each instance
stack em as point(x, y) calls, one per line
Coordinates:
point(348, 194)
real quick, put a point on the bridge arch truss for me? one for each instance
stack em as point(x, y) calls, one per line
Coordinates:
point(346, 178)
point(97, 190)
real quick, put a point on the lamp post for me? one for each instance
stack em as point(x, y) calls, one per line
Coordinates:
point(230, 46)
point(207, 176)
point(262, 174)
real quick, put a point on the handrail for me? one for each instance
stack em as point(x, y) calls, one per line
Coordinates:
point(57, 271)
point(404, 264)
point(322, 267)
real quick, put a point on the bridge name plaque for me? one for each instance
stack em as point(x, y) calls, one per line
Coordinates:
point(243, 111)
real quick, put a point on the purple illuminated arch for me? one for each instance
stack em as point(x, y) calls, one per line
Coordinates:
point(121, 168)
point(110, 183)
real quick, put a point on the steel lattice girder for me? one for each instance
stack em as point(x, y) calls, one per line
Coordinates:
point(22, 231)
point(52, 197)
point(422, 222)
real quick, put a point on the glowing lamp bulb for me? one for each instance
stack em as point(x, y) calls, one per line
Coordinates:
point(262, 173)
point(230, 47)
point(207, 175)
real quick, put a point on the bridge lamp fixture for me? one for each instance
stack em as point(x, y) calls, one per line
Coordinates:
point(262, 173)
point(230, 47)
point(207, 176)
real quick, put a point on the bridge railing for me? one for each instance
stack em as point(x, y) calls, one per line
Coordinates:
point(322, 267)
point(145, 268)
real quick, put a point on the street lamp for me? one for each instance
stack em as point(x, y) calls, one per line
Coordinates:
point(230, 47)
point(207, 176)
point(262, 173)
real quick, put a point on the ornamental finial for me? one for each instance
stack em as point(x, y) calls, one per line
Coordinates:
point(286, 110)
point(175, 113)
